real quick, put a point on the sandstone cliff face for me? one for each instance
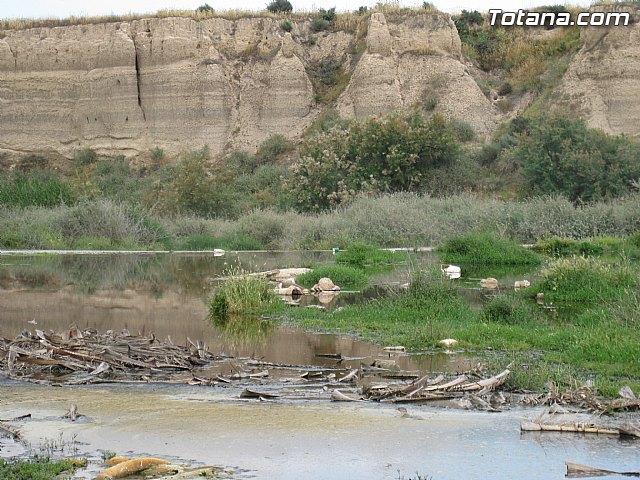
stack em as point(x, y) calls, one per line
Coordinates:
point(602, 83)
point(412, 59)
point(180, 83)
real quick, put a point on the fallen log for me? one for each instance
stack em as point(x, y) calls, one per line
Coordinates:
point(246, 393)
point(576, 470)
point(350, 376)
point(338, 396)
point(630, 430)
point(488, 383)
point(447, 386)
point(573, 428)
point(129, 467)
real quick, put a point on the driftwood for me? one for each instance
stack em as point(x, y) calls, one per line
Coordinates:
point(630, 430)
point(576, 470)
point(246, 393)
point(86, 356)
point(72, 414)
point(427, 389)
point(585, 398)
point(10, 431)
point(338, 396)
point(569, 427)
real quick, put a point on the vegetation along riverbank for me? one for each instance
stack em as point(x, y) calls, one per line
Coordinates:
point(575, 323)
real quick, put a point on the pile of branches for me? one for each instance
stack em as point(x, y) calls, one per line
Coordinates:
point(585, 398)
point(87, 356)
point(461, 390)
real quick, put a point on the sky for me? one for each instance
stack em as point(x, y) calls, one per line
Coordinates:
point(66, 8)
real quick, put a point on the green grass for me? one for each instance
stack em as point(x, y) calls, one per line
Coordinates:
point(362, 255)
point(596, 342)
point(241, 294)
point(203, 241)
point(585, 280)
point(482, 248)
point(346, 277)
point(559, 246)
point(39, 468)
point(38, 188)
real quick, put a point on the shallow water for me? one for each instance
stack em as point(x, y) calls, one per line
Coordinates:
point(312, 440)
point(166, 294)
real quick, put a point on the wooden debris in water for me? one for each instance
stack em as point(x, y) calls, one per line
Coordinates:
point(426, 389)
point(585, 398)
point(72, 414)
point(246, 393)
point(567, 427)
point(87, 356)
point(10, 431)
point(576, 470)
point(338, 396)
point(543, 424)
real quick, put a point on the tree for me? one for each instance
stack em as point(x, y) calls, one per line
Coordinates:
point(280, 6)
point(206, 8)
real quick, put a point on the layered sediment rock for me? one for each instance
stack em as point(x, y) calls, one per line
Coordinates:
point(602, 83)
point(181, 83)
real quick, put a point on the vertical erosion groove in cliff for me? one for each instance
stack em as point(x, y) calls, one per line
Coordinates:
point(137, 66)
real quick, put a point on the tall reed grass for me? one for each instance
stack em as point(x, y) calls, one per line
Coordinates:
point(398, 220)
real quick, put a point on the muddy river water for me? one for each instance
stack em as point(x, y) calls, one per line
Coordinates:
point(286, 439)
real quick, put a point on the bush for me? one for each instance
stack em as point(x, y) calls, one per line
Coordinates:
point(206, 8)
point(241, 294)
point(462, 131)
point(328, 119)
point(83, 157)
point(508, 310)
point(346, 277)
point(328, 15)
point(318, 24)
point(157, 154)
point(122, 225)
point(280, 6)
point(391, 154)
point(116, 181)
point(195, 187)
point(482, 248)
point(286, 25)
point(274, 146)
point(563, 156)
point(362, 255)
point(329, 79)
point(505, 88)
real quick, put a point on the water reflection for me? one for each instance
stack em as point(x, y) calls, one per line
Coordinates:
point(244, 332)
point(167, 293)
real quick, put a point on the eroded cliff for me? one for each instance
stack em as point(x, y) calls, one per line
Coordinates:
point(602, 83)
point(181, 83)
